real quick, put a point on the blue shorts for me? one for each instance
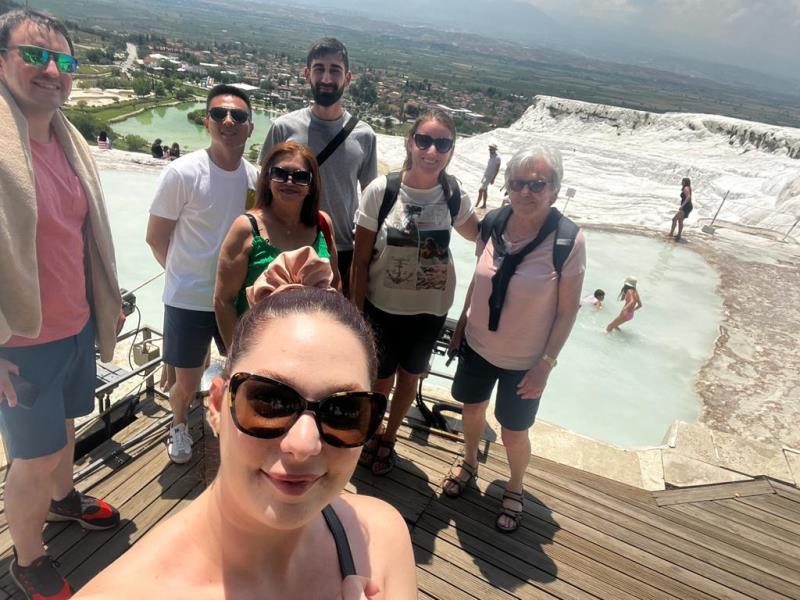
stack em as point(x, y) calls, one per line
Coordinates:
point(474, 381)
point(403, 340)
point(65, 372)
point(187, 335)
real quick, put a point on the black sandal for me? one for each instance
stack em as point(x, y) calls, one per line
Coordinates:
point(368, 452)
point(514, 515)
point(381, 465)
point(472, 472)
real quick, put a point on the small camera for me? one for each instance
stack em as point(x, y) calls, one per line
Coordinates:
point(128, 302)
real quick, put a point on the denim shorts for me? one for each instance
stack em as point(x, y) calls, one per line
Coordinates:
point(474, 381)
point(187, 335)
point(403, 340)
point(65, 373)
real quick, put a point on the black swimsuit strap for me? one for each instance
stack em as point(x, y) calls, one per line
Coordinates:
point(346, 564)
point(253, 224)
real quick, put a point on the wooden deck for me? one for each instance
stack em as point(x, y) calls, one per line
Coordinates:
point(583, 536)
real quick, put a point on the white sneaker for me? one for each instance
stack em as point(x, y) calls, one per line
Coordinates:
point(179, 446)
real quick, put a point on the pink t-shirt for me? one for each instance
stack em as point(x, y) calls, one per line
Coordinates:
point(61, 211)
point(530, 304)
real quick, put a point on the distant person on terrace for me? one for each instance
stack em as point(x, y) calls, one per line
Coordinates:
point(157, 150)
point(59, 296)
point(518, 313)
point(103, 141)
point(489, 175)
point(353, 163)
point(684, 209)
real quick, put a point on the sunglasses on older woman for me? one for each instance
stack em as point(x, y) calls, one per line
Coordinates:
point(267, 409)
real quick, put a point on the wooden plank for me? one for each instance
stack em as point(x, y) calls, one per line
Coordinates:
point(784, 490)
point(570, 541)
point(438, 588)
point(451, 563)
point(757, 515)
point(649, 531)
point(525, 558)
point(718, 491)
point(777, 506)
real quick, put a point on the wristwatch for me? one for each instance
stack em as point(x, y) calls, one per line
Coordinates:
point(549, 360)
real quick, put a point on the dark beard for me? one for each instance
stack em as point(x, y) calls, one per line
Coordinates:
point(327, 98)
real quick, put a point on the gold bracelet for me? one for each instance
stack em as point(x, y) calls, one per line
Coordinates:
point(549, 360)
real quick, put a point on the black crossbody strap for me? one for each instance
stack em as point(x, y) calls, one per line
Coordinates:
point(346, 564)
point(510, 262)
point(337, 140)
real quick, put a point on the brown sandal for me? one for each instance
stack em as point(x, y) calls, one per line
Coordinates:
point(472, 472)
point(514, 515)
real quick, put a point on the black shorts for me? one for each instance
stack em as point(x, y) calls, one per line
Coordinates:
point(474, 381)
point(403, 340)
point(345, 259)
point(687, 210)
point(187, 335)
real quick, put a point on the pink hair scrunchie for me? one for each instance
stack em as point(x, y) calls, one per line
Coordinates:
point(292, 269)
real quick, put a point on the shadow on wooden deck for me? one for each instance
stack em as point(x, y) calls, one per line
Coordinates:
point(582, 536)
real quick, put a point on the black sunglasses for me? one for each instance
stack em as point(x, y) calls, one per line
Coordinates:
point(39, 57)
point(424, 141)
point(536, 185)
point(267, 409)
point(239, 115)
point(282, 176)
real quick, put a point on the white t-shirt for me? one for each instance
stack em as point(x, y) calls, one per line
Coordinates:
point(412, 268)
point(204, 200)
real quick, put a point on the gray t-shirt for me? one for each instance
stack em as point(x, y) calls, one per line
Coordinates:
point(354, 161)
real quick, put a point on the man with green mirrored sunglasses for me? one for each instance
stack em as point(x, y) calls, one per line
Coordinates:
point(59, 296)
point(40, 57)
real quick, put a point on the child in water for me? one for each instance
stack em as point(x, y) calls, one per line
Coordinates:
point(630, 296)
point(595, 300)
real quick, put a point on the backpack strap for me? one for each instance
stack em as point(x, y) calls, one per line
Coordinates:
point(253, 224)
point(566, 232)
point(452, 194)
point(326, 231)
point(389, 196)
point(337, 140)
point(494, 219)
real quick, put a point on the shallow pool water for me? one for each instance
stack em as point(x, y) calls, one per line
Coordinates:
point(625, 388)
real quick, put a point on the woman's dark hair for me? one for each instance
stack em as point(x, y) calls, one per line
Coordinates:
point(302, 301)
point(103, 137)
point(309, 212)
point(624, 291)
point(686, 182)
point(444, 119)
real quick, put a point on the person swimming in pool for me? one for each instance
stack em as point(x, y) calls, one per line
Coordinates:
point(630, 296)
point(594, 300)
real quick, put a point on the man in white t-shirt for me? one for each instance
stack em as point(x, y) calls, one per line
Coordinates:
point(198, 197)
point(489, 175)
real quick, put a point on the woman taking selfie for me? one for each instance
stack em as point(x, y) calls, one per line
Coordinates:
point(292, 413)
point(403, 275)
point(285, 216)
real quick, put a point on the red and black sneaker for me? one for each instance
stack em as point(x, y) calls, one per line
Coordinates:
point(90, 512)
point(40, 580)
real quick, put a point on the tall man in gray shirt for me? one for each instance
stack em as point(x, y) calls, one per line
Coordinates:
point(354, 161)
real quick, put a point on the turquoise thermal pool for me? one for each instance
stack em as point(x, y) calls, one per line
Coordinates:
point(625, 388)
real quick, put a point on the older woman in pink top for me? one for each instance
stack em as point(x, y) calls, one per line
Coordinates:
point(516, 319)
